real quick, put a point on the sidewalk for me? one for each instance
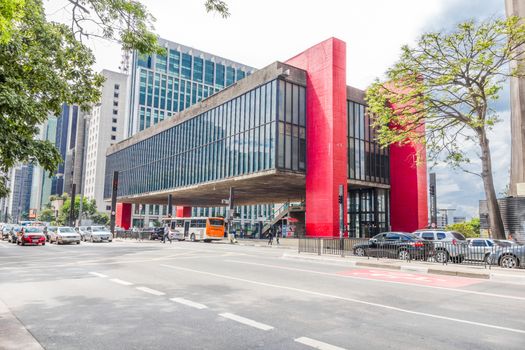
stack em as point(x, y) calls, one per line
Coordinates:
point(13, 334)
point(497, 274)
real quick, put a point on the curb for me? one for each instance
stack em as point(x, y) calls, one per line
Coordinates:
point(493, 276)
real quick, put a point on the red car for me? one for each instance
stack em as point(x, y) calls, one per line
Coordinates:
point(31, 235)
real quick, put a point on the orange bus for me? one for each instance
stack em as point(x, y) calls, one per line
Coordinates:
point(196, 228)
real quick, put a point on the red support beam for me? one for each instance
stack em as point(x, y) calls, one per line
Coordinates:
point(123, 215)
point(326, 128)
point(183, 212)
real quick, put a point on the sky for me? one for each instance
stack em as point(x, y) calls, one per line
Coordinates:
point(260, 32)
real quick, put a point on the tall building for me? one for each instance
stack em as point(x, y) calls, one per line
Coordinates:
point(161, 85)
point(105, 127)
point(253, 137)
point(20, 179)
point(517, 95)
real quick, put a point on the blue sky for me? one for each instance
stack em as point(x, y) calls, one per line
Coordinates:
point(261, 32)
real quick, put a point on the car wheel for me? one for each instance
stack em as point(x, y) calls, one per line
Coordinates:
point(508, 262)
point(441, 256)
point(192, 237)
point(403, 255)
point(78, 242)
point(486, 258)
point(44, 243)
point(359, 252)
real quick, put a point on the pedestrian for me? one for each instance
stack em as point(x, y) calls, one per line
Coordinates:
point(279, 233)
point(137, 233)
point(270, 236)
point(166, 233)
point(242, 233)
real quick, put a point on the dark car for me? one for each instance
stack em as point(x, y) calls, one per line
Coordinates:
point(153, 232)
point(398, 245)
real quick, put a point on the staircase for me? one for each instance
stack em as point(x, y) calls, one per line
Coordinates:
point(280, 213)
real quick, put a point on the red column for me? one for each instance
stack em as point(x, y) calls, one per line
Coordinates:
point(183, 212)
point(326, 128)
point(123, 215)
point(408, 192)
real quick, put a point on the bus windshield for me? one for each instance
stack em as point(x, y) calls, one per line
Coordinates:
point(216, 222)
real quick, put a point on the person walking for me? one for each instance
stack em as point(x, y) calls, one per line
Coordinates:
point(137, 233)
point(270, 236)
point(166, 234)
point(278, 234)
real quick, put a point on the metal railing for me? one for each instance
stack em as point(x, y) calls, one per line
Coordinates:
point(456, 252)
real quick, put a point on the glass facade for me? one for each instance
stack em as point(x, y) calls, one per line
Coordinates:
point(367, 161)
point(368, 212)
point(235, 138)
point(174, 81)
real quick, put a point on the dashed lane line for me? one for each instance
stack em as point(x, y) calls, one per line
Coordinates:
point(352, 300)
point(246, 321)
point(316, 344)
point(98, 274)
point(122, 282)
point(150, 291)
point(189, 303)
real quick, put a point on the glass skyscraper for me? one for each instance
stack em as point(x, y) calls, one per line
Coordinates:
point(165, 84)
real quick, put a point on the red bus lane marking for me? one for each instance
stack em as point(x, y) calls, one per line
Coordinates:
point(413, 278)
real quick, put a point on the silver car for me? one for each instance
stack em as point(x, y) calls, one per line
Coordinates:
point(97, 234)
point(63, 234)
point(448, 245)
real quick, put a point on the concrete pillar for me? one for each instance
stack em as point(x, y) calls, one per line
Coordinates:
point(183, 212)
point(326, 128)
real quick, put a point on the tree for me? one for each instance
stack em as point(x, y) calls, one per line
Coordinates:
point(100, 218)
point(469, 229)
point(45, 64)
point(445, 85)
point(47, 215)
point(89, 208)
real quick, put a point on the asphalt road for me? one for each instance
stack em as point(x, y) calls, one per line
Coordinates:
point(127, 295)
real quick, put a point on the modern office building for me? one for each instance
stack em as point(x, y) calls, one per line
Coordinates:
point(105, 127)
point(20, 181)
point(291, 131)
point(161, 85)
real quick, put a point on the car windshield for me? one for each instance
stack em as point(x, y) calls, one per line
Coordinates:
point(33, 230)
point(458, 236)
point(66, 230)
point(99, 229)
point(216, 222)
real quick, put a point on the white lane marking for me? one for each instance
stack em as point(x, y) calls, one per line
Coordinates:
point(465, 291)
point(357, 301)
point(316, 344)
point(150, 291)
point(124, 283)
point(98, 274)
point(189, 303)
point(246, 321)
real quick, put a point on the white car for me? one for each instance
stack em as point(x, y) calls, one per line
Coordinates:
point(63, 234)
point(97, 234)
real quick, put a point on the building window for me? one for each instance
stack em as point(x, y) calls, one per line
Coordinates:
point(117, 86)
point(115, 111)
point(186, 66)
point(115, 94)
point(113, 128)
point(115, 103)
point(114, 120)
point(108, 207)
point(113, 137)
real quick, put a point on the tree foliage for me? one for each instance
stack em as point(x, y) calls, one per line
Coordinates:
point(469, 229)
point(100, 218)
point(440, 92)
point(47, 215)
point(89, 209)
point(45, 64)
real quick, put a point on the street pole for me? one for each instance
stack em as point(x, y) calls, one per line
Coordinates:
point(113, 203)
point(72, 206)
point(341, 218)
point(433, 200)
point(230, 214)
point(170, 205)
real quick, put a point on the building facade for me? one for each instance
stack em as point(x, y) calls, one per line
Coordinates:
point(105, 127)
point(20, 183)
point(161, 85)
point(262, 134)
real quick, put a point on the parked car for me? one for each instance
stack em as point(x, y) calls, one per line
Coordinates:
point(97, 234)
point(31, 235)
point(508, 257)
point(400, 245)
point(153, 232)
point(448, 245)
point(63, 234)
point(479, 249)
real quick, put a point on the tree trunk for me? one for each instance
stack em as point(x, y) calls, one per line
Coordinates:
point(496, 223)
